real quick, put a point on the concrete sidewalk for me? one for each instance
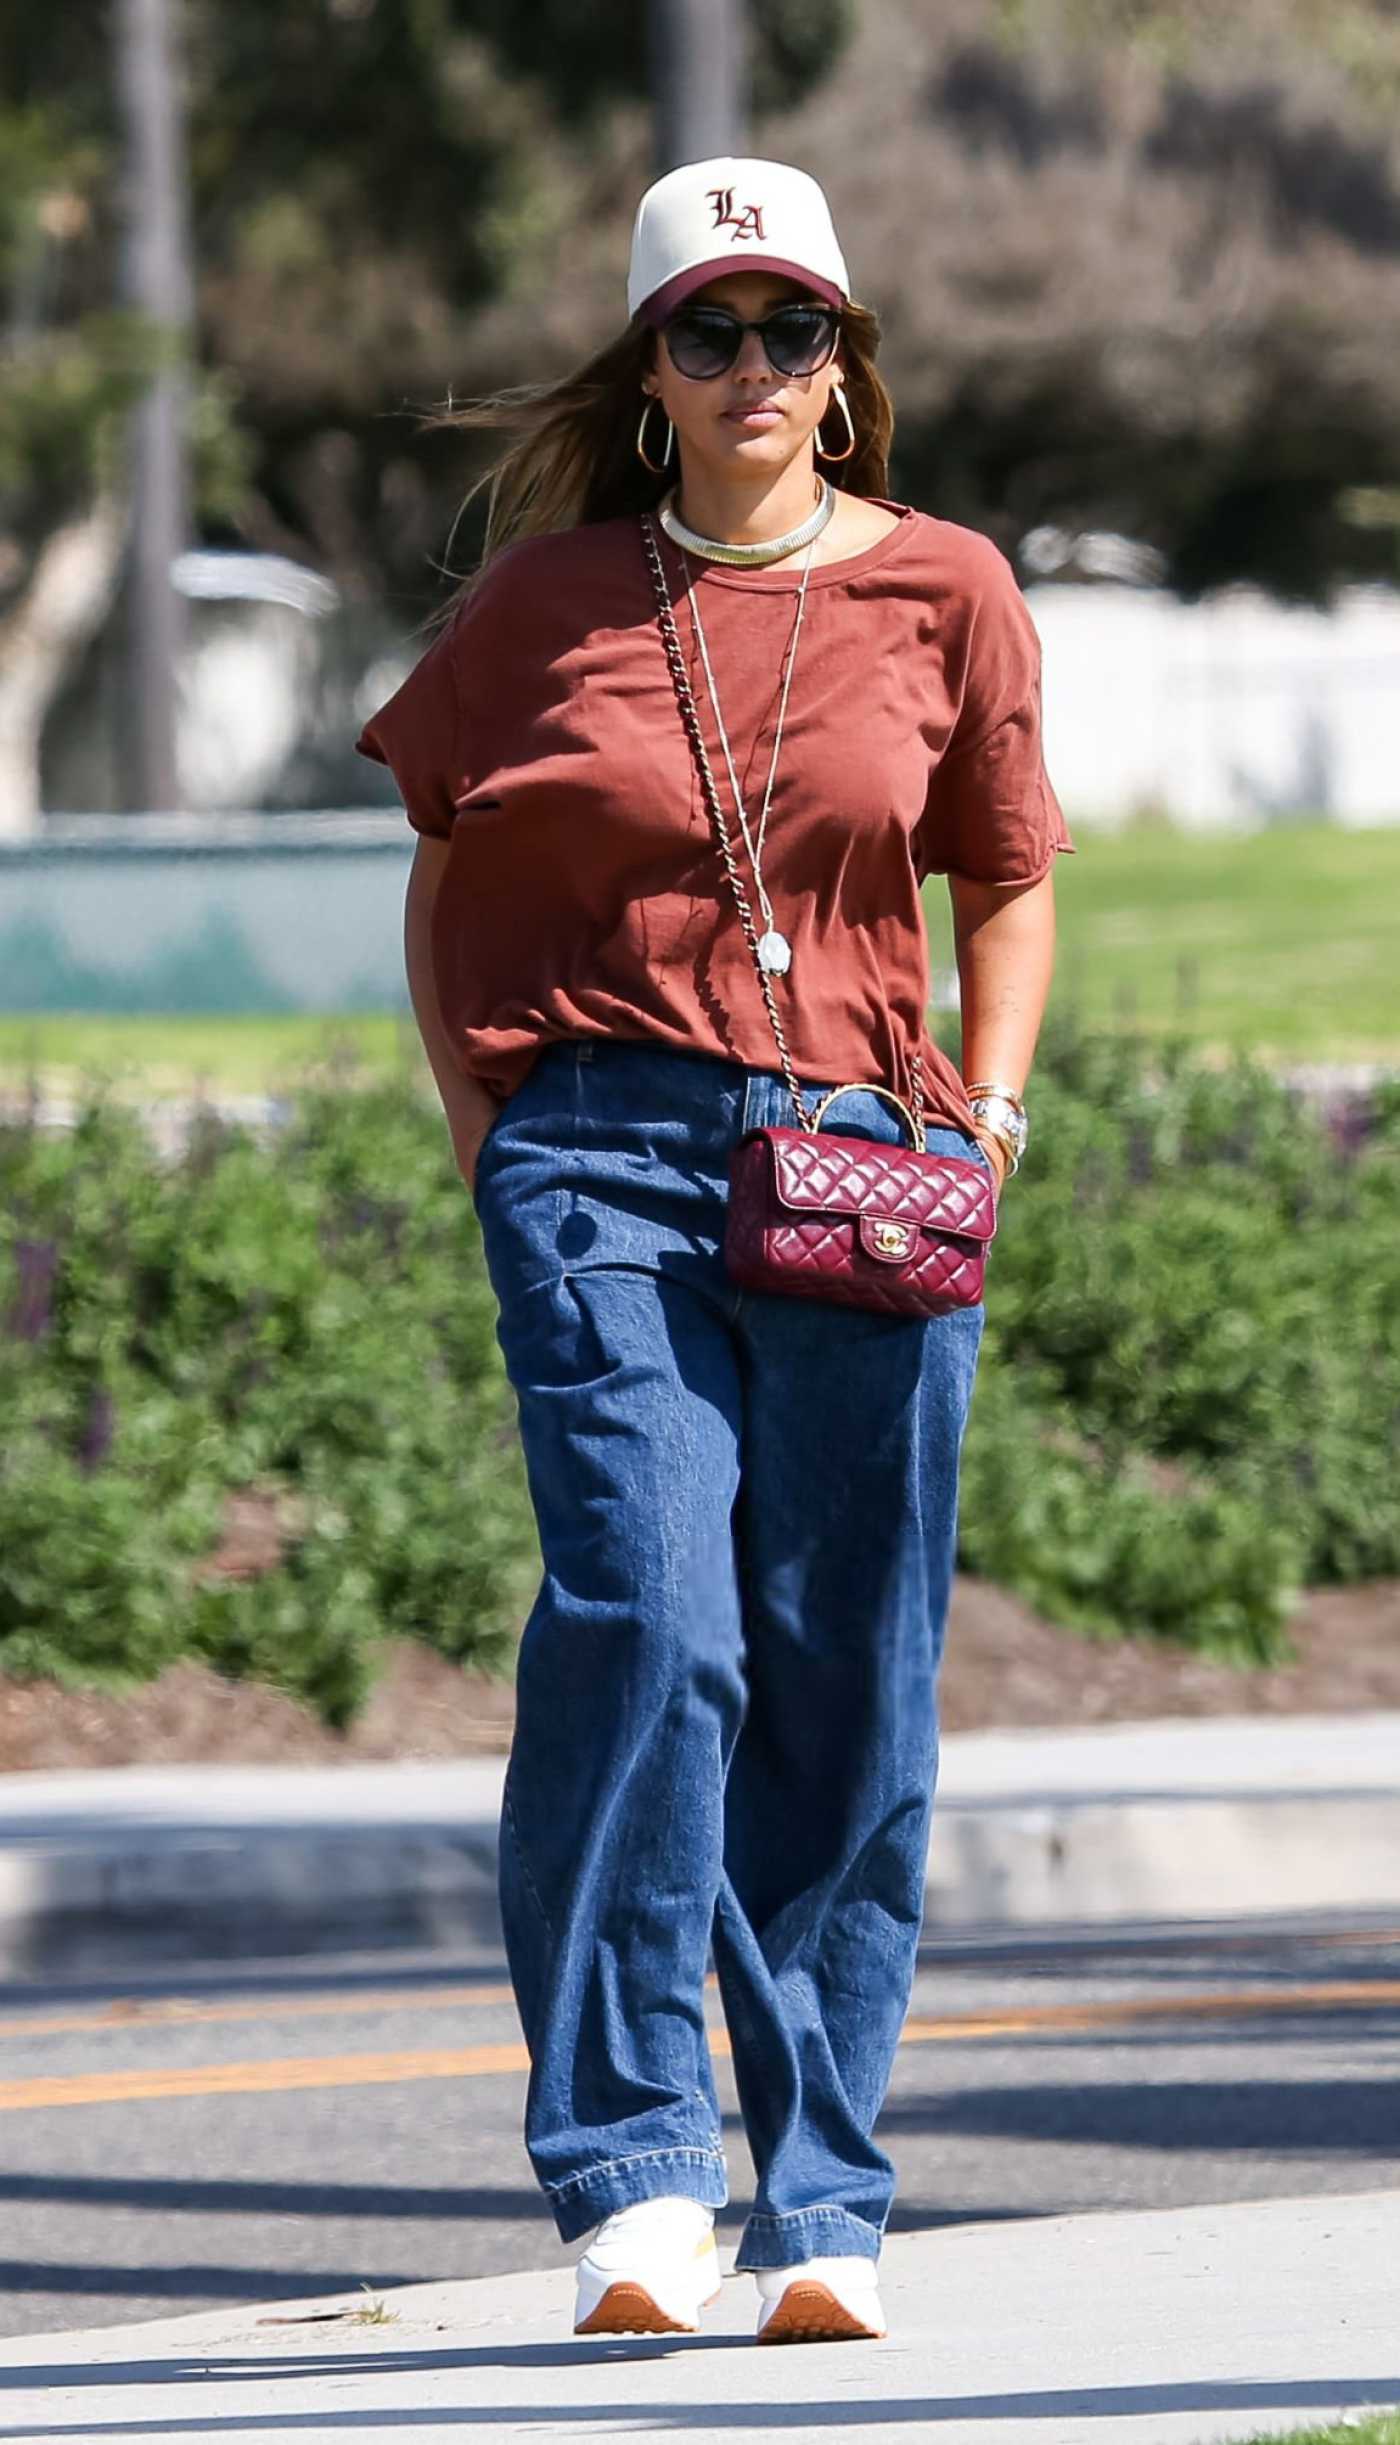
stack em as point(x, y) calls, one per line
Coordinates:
point(1196, 1819)
point(1167, 2328)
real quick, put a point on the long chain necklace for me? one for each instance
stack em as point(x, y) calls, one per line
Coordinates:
point(774, 949)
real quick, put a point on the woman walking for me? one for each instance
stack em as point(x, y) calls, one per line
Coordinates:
point(679, 758)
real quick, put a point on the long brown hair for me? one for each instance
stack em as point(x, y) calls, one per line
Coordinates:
point(572, 456)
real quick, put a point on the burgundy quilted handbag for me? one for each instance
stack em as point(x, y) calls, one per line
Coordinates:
point(836, 1216)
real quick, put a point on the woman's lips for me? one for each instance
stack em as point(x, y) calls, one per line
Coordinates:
point(753, 415)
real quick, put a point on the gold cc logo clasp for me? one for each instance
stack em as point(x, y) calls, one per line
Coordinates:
point(892, 1238)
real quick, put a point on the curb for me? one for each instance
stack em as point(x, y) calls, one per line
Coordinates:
point(1220, 1819)
point(82, 1912)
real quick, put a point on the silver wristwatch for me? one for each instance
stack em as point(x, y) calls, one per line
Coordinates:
point(1006, 1117)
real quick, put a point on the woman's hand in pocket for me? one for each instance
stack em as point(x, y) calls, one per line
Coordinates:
point(470, 1109)
point(469, 1106)
point(466, 1148)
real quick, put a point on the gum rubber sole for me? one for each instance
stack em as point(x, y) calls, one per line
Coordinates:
point(628, 2309)
point(810, 2313)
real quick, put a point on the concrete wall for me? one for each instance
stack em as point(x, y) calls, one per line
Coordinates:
point(1235, 711)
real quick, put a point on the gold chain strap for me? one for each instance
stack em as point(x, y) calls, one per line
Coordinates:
point(686, 697)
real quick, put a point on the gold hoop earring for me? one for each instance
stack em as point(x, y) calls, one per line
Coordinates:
point(838, 393)
point(647, 405)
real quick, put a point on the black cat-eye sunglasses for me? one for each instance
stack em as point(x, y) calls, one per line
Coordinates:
point(703, 341)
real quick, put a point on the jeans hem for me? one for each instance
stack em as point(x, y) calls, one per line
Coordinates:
point(586, 2198)
point(807, 2232)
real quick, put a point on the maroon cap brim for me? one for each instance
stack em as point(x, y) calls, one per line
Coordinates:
point(664, 301)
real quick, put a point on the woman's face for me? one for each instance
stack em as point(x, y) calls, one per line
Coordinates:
point(751, 416)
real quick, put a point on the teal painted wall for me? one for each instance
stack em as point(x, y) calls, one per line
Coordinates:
point(229, 913)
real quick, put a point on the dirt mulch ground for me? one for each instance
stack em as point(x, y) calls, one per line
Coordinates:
point(1003, 1667)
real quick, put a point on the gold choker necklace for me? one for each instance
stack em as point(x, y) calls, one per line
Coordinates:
point(747, 555)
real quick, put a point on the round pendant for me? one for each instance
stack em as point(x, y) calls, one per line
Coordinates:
point(774, 952)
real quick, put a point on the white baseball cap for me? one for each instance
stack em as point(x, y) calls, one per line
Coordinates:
point(725, 215)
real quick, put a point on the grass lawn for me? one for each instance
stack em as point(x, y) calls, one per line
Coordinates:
point(1383, 2429)
point(173, 1053)
point(1286, 940)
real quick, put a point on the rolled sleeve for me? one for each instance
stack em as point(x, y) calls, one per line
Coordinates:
point(991, 813)
point(418, 734)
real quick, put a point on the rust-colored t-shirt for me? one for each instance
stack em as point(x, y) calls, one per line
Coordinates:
point(584, 893)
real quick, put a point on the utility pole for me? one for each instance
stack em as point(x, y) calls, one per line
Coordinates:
point(697, 79)
point(157, 281)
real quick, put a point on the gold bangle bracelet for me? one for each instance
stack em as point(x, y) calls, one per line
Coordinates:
point(989, 1086)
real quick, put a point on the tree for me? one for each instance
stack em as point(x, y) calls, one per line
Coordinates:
point(1135, 262)
point(71, 365)
point(1129, 277)
point(379, 187)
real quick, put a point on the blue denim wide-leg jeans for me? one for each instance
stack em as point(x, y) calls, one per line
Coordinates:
point(726, 1729)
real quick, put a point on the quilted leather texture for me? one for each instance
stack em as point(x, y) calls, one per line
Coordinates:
point(829, 1215)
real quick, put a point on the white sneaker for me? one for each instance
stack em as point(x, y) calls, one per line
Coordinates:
point(825, 2300)
point(648, 2270)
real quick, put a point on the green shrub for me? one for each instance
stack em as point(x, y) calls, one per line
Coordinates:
point(1110, 1543)
point(307, 1318)
point(1189, 1402)
point(1190, 1393)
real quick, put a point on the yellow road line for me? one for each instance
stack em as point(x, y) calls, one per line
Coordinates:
point(138, 2012)
point(161, 2011)
point(255, 2079)
point(466, 2062)
point(1344, 1994)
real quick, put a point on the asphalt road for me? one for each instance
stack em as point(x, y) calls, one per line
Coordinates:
point(258, 2134)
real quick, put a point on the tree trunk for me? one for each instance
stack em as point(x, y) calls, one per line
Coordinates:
point(66, 600)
